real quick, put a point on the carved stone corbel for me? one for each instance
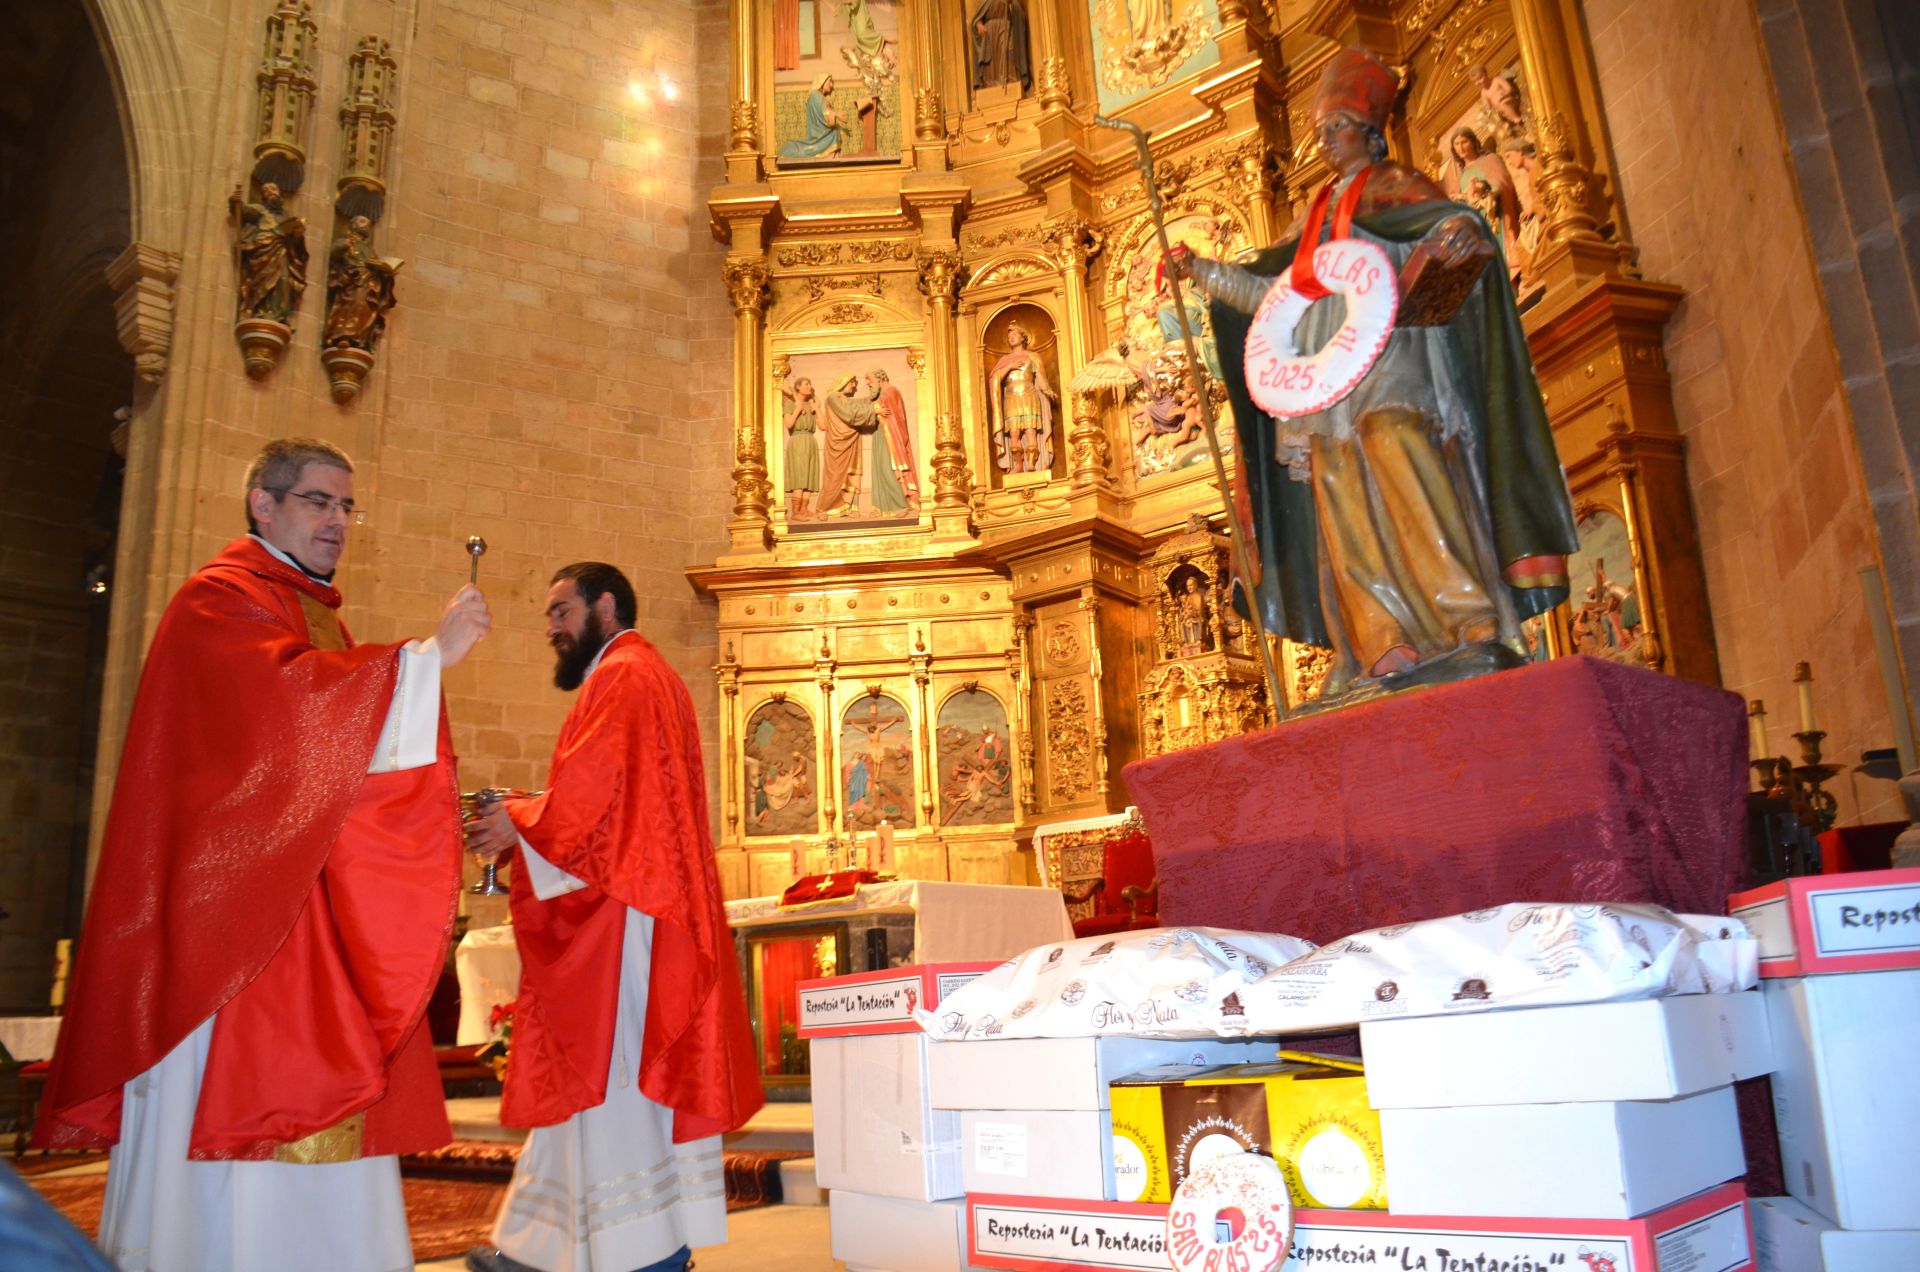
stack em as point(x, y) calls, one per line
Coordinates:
point(142, 279)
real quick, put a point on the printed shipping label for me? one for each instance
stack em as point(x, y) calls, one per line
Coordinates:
point(1866, 920)
point(1000, 1148)
point(1711, 1243)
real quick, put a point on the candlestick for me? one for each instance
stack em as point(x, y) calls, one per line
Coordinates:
point(1757, 730)
point(1803, 678)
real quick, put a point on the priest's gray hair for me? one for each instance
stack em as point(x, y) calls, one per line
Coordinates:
point(279, 463)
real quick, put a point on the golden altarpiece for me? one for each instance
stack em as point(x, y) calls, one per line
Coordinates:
point(977, 558)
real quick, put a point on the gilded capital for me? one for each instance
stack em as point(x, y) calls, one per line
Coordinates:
point(746, 279)
point(1072, 238)
point(929, 119)
point(746, 125)
point(940, 273)
point(1055, 88)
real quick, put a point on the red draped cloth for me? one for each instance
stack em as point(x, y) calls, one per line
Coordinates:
point(1572, 780)
point(625, 810)
point(252, 867)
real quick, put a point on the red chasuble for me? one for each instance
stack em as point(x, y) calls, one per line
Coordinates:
point(253, 868)
point(625, 811)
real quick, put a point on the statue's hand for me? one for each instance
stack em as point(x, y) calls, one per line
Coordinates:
point(1456, 239)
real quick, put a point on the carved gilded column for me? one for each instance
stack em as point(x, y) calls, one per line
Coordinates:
point(1090, 606)
point(727, 671)
point(142, 280)
point(1017, 669)
point(823, 672)
point(1074, 242)
point(1251, 168)
point(1567, 186)
point(922, 659)
point(746, 279)
point(1051, 77)
point(940, 273)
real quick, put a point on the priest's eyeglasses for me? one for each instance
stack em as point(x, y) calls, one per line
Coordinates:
point(322, 503)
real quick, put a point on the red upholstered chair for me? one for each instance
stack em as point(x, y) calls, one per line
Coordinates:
point(1103, 867)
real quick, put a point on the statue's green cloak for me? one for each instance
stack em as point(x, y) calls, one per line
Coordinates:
point(1506, 424)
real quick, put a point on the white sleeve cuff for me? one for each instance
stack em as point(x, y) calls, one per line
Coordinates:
point(547, 880)
point(410, 737)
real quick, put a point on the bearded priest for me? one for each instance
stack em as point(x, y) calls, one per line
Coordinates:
point(631, 1047)
point(270, 913)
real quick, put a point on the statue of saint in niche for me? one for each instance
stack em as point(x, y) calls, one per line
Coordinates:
point(1000, 57)
point(1020, 402)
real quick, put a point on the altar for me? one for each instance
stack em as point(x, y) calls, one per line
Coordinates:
point(890, 923)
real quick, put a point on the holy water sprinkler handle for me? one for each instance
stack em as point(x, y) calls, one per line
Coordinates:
point(476, 548)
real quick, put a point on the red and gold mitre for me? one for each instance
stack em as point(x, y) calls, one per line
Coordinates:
point(1359, 84)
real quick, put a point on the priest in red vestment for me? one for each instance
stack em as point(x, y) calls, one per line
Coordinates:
point(270, 912)
point(631, 1047)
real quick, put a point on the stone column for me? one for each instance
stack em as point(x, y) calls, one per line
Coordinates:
point(746, 279)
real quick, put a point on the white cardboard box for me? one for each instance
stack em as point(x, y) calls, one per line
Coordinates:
point(888, 1234)
point(1654, 1049)
point(1704, 1233)
point(1038, 1152)
point(1063, 1073)
point(1595, 1160)
point(1844, 1099)
point(1865, 921)
point(1788, 1237)
point(873, 1129)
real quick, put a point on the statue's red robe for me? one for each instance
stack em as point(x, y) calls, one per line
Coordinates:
point(625, 811)
point(253, 868)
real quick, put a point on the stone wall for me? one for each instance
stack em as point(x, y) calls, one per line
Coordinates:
point(1779, 496)
point(555, 377)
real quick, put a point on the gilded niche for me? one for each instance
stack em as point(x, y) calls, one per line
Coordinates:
point(777, 750)
point(876, 763)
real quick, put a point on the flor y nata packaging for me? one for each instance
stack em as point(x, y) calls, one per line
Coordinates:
point(1308, 1112)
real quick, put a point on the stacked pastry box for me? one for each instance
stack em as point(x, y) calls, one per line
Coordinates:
point(1604, 1133)
point(890, 1159)
point(1597, 1138)
point(1840, 968)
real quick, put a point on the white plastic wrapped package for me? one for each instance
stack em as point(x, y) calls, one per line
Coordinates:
point(1154, 983)
point(1195, 982)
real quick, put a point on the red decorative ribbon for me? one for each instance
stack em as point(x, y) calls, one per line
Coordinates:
point(1304, 280)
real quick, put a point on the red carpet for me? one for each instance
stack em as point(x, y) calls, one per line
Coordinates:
point(451, 1193)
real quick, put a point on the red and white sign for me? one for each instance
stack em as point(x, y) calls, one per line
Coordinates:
point(1864, 922)
point(1705, 1233)
point(1287, 382)
point(879, 1002)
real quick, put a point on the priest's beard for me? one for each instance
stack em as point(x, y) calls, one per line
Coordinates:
point(572, 657)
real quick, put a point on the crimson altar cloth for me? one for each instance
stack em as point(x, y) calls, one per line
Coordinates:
point(1572, 780)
